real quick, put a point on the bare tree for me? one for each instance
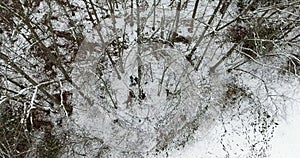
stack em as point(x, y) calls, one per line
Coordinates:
point(130, 78)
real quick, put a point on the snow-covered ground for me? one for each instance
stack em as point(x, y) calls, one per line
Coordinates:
point(284, 144)
point(286, 141)
point(247, 129)
point(154, 80)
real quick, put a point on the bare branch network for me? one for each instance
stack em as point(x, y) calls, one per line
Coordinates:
point(89, 78)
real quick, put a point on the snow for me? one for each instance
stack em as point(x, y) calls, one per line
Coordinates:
point(253, 120)
point(154, 123)
point(286, 141)
point(284, 144)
